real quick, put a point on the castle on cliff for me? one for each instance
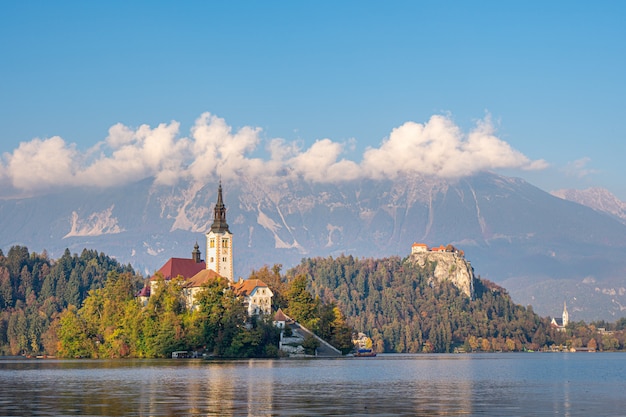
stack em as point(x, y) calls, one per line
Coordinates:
point(451, 265)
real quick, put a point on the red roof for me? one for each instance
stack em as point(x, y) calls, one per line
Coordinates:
point(145, 292)
point(245, 287)
point(184, 267)
point(420, 244)
point(280, 316)
point(201, 278)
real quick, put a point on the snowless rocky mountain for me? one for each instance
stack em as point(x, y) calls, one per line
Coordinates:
point(543, 249)
point(599, 199)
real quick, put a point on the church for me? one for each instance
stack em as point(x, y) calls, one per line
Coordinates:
point(561, 323)
point(219, 263)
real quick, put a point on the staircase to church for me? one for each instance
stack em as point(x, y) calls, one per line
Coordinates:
point(325, 349)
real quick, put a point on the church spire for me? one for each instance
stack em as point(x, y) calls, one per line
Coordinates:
point(219, 252)
point(195, 254)
point(219, 214)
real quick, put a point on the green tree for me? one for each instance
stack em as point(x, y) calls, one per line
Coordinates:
point(73, 336)
point(310, 344)
point(301, 305)
point(6, 289)
point(341, 337)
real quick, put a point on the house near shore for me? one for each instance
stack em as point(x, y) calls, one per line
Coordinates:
point(256, 294)
point(280, 319)
point(196, 272)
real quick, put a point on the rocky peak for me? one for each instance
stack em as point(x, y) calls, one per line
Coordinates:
point(449, 266)
point(598, 199)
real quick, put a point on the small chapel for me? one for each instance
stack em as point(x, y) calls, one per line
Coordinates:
point(562, 322)
point(219, 263)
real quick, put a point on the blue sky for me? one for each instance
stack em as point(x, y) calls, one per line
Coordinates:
point(531, 89)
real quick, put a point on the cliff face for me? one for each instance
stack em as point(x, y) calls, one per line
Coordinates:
point(449, 267)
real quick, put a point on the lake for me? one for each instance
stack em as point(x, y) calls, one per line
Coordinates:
point(506, 384)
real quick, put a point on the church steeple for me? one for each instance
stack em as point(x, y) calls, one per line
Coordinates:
point(219, 214)
point(565, 314)
point(219, 252)
point(195, 254)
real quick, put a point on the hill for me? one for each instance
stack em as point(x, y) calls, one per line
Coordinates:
point(408, 307)
point(543, 249)
point(35, 289)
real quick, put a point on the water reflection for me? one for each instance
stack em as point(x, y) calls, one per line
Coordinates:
point(389, 385)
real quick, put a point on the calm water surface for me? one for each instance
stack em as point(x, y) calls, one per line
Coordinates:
point(530, 384)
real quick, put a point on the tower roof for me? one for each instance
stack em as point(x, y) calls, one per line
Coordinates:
point(219, 214)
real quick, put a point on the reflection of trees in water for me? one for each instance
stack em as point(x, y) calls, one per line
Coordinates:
point(489, 384)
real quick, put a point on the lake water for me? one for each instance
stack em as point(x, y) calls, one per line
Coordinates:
point(528, 384)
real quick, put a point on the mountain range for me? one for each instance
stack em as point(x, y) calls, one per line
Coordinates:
point(599, 199)
point(544, 249)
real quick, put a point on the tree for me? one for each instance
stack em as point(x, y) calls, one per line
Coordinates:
point(222, 316)
point(341, 336)
point(310, 344)
point(301, 305)
point(73, 337)
point(592, 344)
point(6, 289)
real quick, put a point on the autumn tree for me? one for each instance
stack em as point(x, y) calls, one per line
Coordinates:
point(301, 306)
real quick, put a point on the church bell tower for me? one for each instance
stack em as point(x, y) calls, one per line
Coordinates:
point(219, 241)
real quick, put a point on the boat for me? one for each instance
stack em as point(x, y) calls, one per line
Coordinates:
point(364, 353)
point(363, 346)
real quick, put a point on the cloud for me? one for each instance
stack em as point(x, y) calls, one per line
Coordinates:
point(319, 163)
point(437, 148)
point(579, 168)
point(40, 164)
point(217, 150)
point(136, 154)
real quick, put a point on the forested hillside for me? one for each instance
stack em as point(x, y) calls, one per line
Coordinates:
point(400, 306)
point(35, 289)
point(85, 305)
point(113, 323)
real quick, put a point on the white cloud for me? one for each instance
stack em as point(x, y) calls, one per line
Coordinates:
point(319, 163)
point(216, 150)
point(437, 147)
point(136, 155)
point(579, 168)
point(40, 164)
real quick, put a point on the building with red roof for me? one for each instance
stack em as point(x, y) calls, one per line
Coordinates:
point(183, 267)
point(439, 249)
point(280, 319)
point(419, 247)
point(256, 295)
point(196, 272)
